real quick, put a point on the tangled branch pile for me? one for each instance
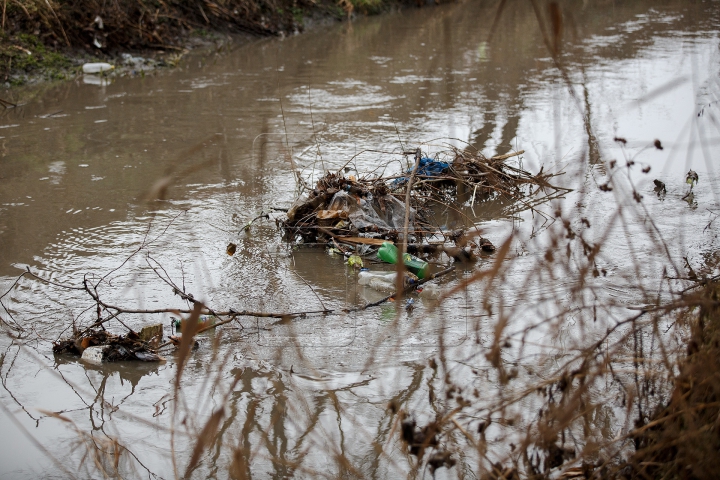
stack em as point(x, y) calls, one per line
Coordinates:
point(374, 208)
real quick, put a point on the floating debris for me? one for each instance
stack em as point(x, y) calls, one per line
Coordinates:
point(385, 281)
point(348, 212)
point(103, 346)
point(354, 261)
point(389, 253)
point(410, 305)
point(203, 321)
point(691, 179)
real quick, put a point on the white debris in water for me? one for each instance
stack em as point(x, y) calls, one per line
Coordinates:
point(93, 355)
point(98, 67)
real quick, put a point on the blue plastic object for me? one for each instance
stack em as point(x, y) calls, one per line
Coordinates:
point(427, 168)
point(430, 167)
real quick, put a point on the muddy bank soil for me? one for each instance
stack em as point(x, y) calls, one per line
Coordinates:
point(52, 40)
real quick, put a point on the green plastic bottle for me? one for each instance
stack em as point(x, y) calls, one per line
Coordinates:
point(389, 253)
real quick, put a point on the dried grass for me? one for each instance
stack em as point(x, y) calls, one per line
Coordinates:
point(626, 401)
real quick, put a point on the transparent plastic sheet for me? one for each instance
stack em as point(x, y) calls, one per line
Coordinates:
point(299, 203)
point(385, 213)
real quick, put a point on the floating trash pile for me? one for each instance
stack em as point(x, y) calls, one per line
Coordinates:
point(98, 346)
point(365, 213)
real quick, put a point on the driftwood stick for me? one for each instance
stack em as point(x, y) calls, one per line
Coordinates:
point(352, 240)
point(6, 104)
point(287, 316)
point(185, 296)
point(400, 267)
point(233, 315)
point(249, 224)
point(101, 321)
point(507, 155)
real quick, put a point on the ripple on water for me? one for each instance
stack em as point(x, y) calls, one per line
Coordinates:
point(340, 97)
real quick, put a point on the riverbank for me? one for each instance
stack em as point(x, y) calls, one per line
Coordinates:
point(51, 41)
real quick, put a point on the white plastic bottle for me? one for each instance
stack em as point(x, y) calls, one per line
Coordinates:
point(97, 67)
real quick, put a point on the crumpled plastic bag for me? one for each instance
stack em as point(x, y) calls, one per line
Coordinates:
point(296, 206)
point(354, 261)
point(385, 213)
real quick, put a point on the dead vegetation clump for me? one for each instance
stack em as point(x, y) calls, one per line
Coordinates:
point(137, 24)
point(681, 439)
point(670, 398)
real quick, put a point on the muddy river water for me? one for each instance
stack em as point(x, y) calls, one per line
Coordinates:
point(222, 133)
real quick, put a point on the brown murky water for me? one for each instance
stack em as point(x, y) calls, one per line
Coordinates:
point(78, 161)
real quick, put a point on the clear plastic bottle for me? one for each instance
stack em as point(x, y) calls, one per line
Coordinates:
point(380, 281)
point(382, 285)
point(366, 277)
point(384, 281)
point(203, 321)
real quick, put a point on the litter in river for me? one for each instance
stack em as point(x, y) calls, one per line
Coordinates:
point(97, 346)
point(203, 321)
point(354, 261)
point(355, 214)
point(384, 281)
point(389, 253)
point(426, 167)
point(364, 219)
point(99, 67)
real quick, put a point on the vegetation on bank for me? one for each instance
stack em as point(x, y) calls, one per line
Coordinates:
point(51, 39)
point(681, 438)
point(24, 53)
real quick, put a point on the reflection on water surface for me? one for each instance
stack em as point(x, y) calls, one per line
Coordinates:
point(78, 161)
